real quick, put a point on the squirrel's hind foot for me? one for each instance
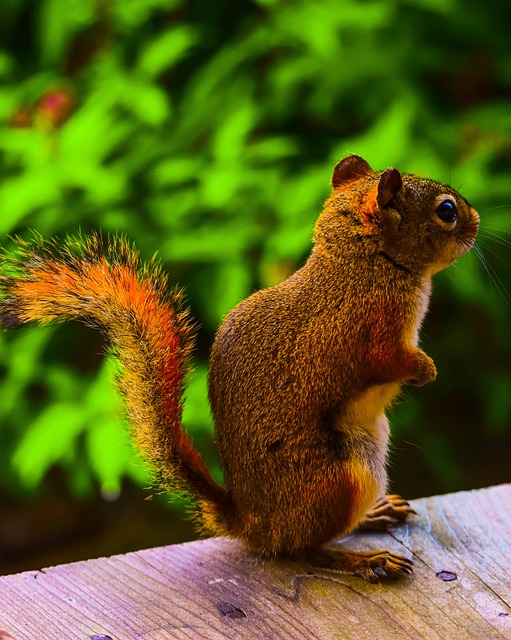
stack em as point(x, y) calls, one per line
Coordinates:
point(389, 511)
point(373, 566)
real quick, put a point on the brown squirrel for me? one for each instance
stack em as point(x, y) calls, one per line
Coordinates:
point(301, 373)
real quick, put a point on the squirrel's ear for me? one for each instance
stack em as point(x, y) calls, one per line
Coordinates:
point(350, 168)
point(389, 185)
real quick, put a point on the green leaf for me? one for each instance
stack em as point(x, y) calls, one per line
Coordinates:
point(51, 437)
point(173, 171)
point(58, 21)
point(22, 194)
point(109, 453)
point(166, 50)
point(230, 138)
point(131, 14)
point(196, 408)
point(231, 285)
point(148, 102)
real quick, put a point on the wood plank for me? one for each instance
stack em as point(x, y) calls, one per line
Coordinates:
point(215, 589)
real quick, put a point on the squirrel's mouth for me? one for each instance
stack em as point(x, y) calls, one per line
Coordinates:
point(468, 235)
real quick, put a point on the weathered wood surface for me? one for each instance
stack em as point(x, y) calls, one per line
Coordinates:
point(214, 589)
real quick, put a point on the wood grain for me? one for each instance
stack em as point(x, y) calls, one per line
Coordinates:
point(214, 589)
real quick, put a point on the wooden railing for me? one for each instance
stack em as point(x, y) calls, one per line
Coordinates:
point(214, 589)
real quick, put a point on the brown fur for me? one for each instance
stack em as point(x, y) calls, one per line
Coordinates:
point(148, 329)
point(301, 373)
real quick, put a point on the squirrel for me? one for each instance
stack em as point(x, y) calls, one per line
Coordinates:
point(301, 373)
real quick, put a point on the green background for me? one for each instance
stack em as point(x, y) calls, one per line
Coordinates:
point(207, 131)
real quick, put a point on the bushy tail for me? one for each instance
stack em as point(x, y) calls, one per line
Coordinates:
point(149, 330)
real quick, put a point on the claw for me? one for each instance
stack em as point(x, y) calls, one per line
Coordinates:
point(389, 511)
point(384, 564)
point(370, 565)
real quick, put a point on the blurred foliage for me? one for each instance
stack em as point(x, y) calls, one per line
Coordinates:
point(207, 131)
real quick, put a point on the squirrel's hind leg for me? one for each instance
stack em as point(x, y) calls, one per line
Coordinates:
point(370, 565)
point(389, 511)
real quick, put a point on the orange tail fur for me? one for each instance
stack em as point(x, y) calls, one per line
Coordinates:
point(147, 328)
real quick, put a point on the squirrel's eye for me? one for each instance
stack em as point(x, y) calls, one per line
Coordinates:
point(447, 211)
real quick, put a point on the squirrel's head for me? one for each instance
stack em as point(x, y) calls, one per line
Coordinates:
point(420, 225)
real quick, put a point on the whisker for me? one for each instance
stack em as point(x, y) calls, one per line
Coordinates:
point(500, 206)
point(486, 228)
point(493, 276)
point(493, 251)
point(496, 237)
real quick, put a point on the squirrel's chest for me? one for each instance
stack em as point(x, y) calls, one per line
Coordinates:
point(421, 308)
point(366, 411)
point(366, 430)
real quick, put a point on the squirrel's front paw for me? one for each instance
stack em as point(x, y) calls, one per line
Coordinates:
point(389, 511)
point(424, 370)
